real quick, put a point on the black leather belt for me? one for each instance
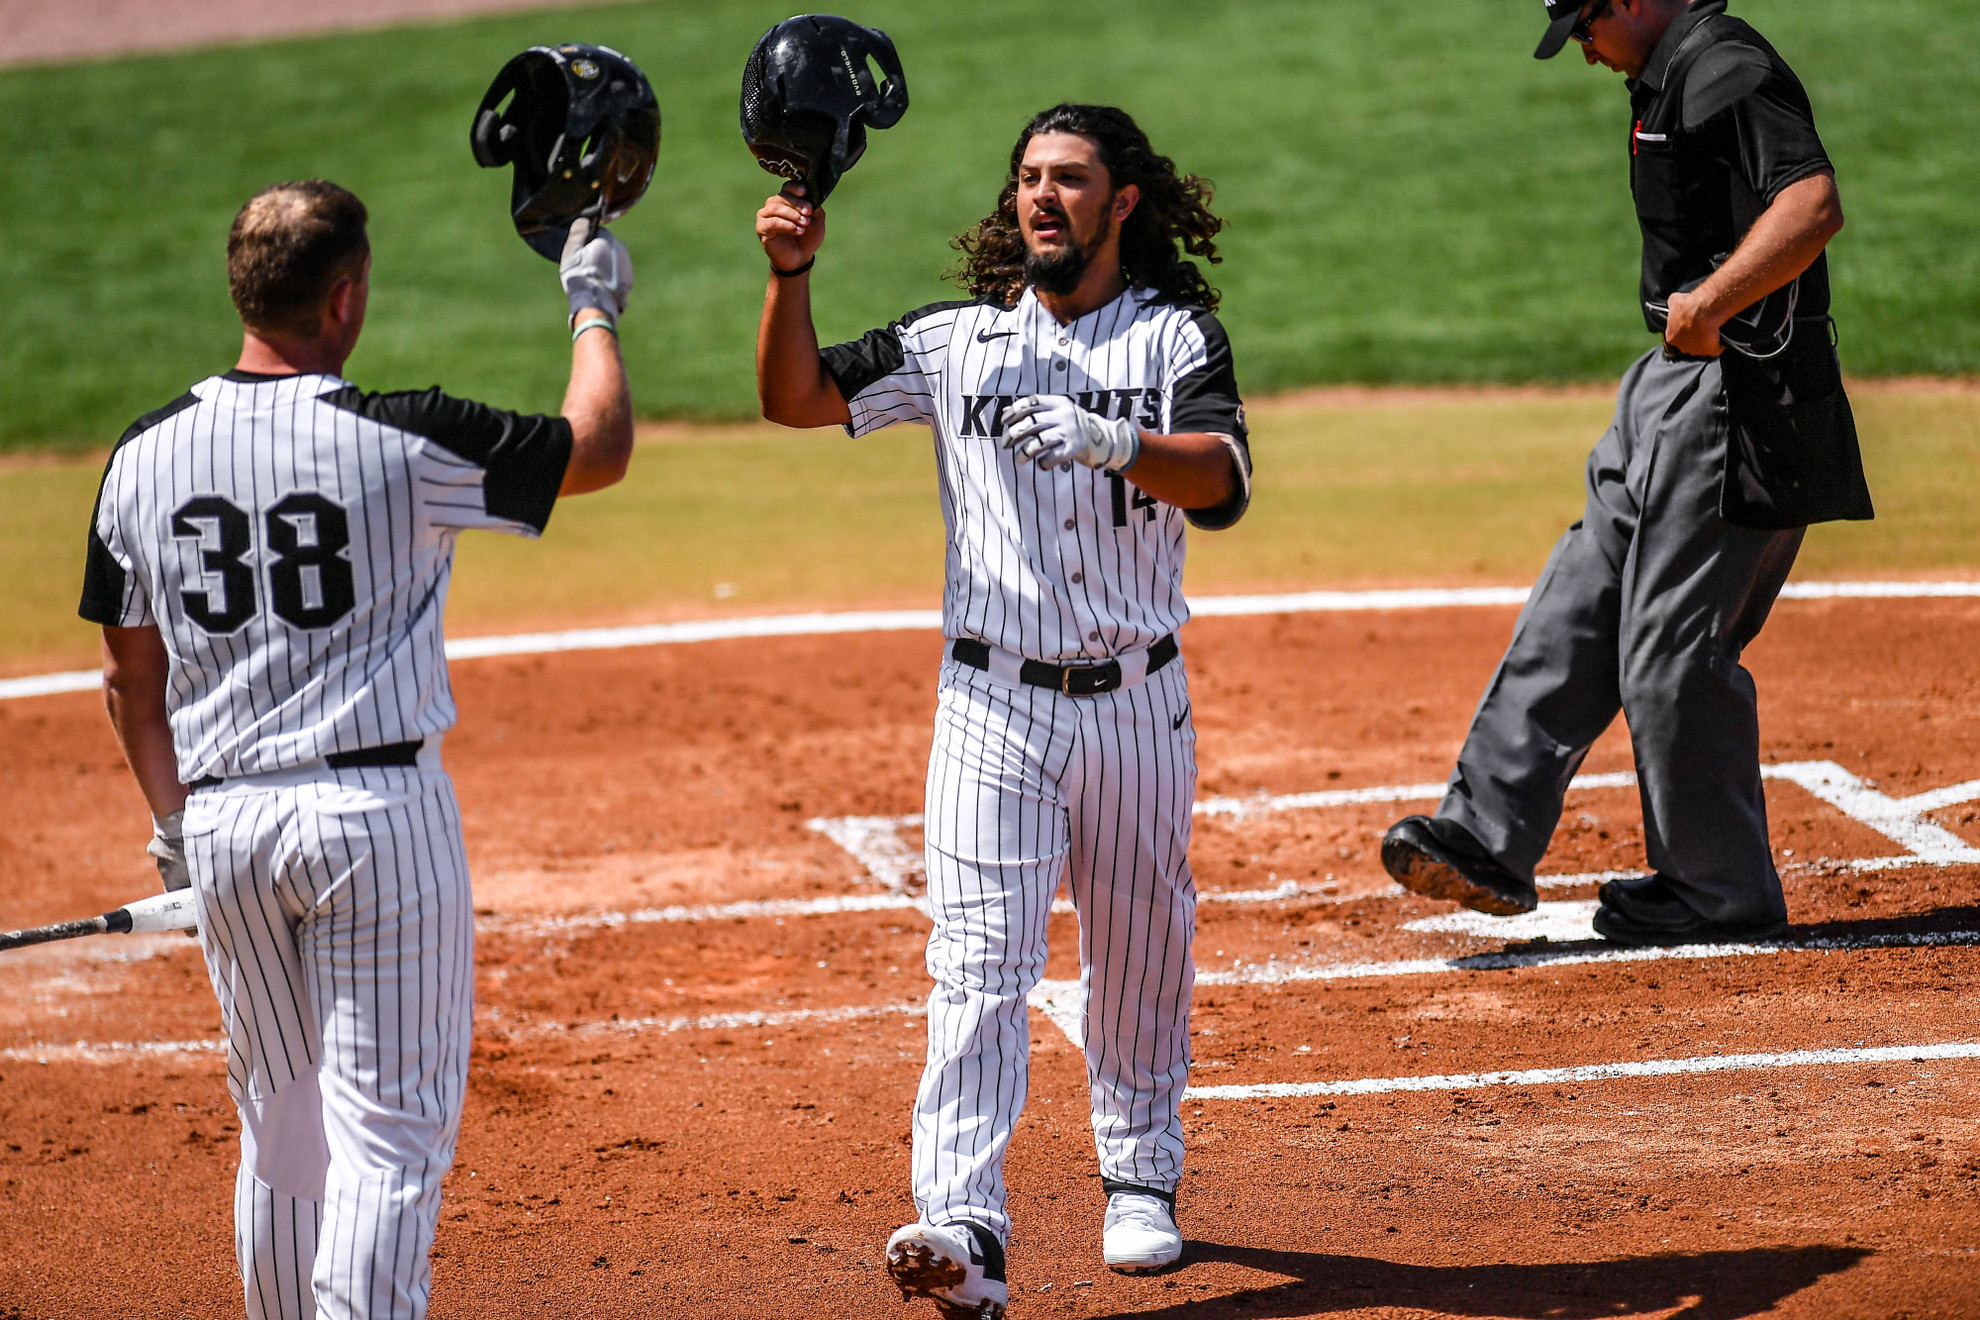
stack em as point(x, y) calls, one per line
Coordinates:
point(1073, 680)
point(404, 753)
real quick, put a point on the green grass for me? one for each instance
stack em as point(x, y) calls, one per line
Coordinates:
point(1463, 492)
point(1411, 198)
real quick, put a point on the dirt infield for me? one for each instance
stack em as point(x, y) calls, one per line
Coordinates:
point(47, 31)
point(681, 1110)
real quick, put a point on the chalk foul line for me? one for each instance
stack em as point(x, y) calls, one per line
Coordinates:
point(866, 621)
point(1599, 1072)
point(1065, 1016)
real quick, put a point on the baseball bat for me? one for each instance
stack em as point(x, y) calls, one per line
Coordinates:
point(147, 916)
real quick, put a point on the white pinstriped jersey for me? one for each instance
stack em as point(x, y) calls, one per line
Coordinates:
point(1057, 566)
point(292, 539)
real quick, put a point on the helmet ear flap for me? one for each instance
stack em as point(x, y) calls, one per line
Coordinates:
point(490, 148)
point(893, 97)
point(494, 138)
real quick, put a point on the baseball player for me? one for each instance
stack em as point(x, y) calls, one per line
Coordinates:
point(1727, 441)
point(269, 558)
point(1084, 408)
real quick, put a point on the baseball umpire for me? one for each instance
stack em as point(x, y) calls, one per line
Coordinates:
point(269, 559)
point(1727, 441)
point(1084, 409)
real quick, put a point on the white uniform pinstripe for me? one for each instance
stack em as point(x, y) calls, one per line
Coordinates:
point(1028, 786)
point(292, 540)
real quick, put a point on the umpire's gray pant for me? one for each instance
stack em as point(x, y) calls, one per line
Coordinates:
point(1644, 607)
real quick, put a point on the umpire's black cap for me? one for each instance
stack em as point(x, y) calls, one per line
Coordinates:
point(1562, 15)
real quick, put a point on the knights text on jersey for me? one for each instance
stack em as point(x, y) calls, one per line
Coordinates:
point(291, 537)
point(1058, 566)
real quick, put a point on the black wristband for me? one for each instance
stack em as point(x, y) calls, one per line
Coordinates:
point(793, 274)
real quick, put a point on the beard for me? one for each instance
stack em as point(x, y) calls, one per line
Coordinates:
point(1055, 272)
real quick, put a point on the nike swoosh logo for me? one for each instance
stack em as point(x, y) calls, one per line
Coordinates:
point(1176, 727)
point(985, 336)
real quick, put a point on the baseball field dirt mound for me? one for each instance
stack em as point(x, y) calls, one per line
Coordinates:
point(700, 989)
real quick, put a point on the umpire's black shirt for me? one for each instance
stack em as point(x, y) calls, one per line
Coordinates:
point(1721, 127)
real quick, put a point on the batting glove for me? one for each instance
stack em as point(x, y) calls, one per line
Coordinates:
point(168, 849)
point(596, 270)
point(1057, 432)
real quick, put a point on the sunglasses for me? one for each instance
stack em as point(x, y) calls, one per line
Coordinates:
point(1580, 30)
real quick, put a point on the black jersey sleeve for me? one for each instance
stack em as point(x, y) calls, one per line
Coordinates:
point(523, 455)
point(107, 594)
point(1760, 114)
point(1203, 398)
point(106, 587)
point(885, 376)
point(857, 365)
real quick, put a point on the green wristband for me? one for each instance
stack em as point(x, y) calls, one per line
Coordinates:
point(597, 322)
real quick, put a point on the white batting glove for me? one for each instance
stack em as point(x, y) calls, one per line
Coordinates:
point(1057, 432)
point(596, 270)
point(168, 849)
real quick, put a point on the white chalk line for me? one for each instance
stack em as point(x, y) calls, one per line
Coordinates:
point(868, 621)
point(668, 1026)
point(875, 842)
point(119, 1051)
point(113, 1051)
point(1599, 1072)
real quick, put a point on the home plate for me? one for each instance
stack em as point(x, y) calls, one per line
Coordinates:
point(1561, 922)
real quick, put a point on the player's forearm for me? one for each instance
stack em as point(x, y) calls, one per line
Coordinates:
point(1782, 243)
point(135, 668)
point(1192, 470)
point(791, 381)
point(598, 406)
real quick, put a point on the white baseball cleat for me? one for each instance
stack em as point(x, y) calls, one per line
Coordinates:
point(960, 1267)
point(1141, 1233)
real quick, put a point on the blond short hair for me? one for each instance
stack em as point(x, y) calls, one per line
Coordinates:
point(288, 248)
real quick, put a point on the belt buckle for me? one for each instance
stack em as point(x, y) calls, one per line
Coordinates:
point(1093, 679)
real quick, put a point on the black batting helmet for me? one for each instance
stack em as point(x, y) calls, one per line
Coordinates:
point(809, 95)
point(582, 128)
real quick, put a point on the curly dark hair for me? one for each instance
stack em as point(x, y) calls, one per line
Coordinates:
point(1172, 209)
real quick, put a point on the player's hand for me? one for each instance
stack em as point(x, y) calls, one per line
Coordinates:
point(790, 228)
point(1057, 432)
point(168, 849)
point(596, 270)
point(1688, 329)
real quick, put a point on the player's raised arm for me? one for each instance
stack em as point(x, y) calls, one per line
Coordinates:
point(792, 383)
point(597, 275)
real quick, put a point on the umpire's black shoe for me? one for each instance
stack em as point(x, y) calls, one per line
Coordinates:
point(1440, 859)
point(1646, 910)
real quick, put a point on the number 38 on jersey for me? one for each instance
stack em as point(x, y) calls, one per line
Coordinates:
point(307, 575)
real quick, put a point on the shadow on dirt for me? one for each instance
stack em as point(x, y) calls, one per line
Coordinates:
point(1719, 1285)
point(1952, 925)
point(1943, 926)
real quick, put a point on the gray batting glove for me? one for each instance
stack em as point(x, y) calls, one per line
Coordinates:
point(596, 270)
point(1057, 432)
point(168, 849)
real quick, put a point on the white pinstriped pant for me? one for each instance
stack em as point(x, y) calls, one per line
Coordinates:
point(339, 933)
point(1026, 786)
